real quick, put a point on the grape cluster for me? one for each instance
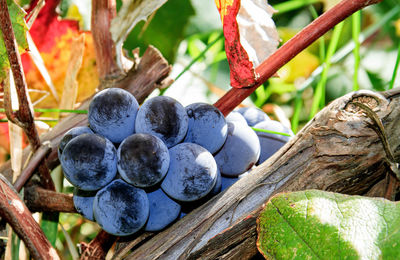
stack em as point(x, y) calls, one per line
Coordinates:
point(141, 168)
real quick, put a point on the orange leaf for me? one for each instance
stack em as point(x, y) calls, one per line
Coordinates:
point(53, 37)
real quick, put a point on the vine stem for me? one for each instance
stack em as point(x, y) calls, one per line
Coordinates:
point(14, 211)
point(24, 116)
point(103, 11)
point(291, 48)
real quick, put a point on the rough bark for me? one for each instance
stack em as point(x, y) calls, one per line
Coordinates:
point(338, 150)
point(14, 211)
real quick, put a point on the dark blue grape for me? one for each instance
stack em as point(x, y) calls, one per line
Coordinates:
point(192, 172)
point(163, 117)
point(218, 184)
point(120, 208)
point(163, 211)
point(89, 161)
point(240, 151)
point(253, 115)
point(270, 143)
point(207, 126)
point(112, 114)
point(235, 116)
point(83, 202)
point(73, 132)
point(143, 160)
point(227, 182)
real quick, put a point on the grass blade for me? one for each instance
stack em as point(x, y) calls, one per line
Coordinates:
point(319, 97)
point(396, 67)
point(322, 39)
point(356, 28)
point(269, 131)
point(70, 244)
point(298, 105)
point(201, 55)
point(293, 5)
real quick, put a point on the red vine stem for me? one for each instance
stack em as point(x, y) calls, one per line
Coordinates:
point(291, 48)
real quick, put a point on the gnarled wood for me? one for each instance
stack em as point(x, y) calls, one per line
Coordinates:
point(336, 151)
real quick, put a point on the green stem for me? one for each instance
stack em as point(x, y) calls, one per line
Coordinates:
point(319, 97)
point(293, 5)
point(322, 39)
point(269, 131)
point(396, 66)
point(356, 28)
point(220, 36)
point(298, 104)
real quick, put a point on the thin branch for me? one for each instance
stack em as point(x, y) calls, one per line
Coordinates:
point(33, 163)
point(14, 211)
point(98, 247)
point(38, 200)
point(291, 48)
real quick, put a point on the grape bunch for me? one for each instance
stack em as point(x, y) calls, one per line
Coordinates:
point(142, 167)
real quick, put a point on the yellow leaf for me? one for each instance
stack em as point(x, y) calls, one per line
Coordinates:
point(300, 67)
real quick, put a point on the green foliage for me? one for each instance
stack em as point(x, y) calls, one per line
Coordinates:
point(322, 225)
point(20, 29)
point(165, 30)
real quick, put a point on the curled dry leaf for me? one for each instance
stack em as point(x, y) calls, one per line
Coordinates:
point(250, 37)
point(132, 12)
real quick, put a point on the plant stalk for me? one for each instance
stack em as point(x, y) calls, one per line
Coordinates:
point(291, 48)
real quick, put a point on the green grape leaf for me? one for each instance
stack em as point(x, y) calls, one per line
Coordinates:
point(165, 31)
point(20, 28)
point(323, 225)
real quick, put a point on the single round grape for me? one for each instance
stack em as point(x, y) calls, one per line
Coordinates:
point(218, 184)
point(235, 116)
point(89, 161)
point(112, 114)
point(83, 202)
point(226, 182)
point(207, 126)
point(192, 172)
point(163, 211)
point(270, 143)
point(143, 160)
point(120, 208)
point(240, 151)
point(163, 117)
point(253, 115)
point(71, 133)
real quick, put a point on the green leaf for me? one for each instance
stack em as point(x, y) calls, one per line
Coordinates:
point(20, 29)
point(165, 30)
point(323, 225)
point(377, 82)
point(49, 225)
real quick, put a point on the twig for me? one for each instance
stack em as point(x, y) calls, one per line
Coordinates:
point(39, 199)
point(24, 116)
point(103, 11)
point(98, 247)
point(14, 211)
point(33, 163)
point(291, 48)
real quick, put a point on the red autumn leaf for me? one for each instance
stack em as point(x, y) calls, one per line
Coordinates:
point(250, 37)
